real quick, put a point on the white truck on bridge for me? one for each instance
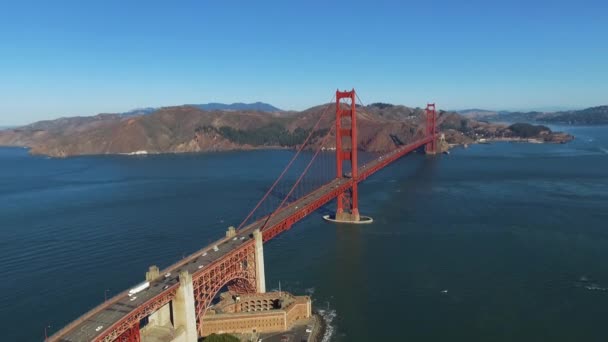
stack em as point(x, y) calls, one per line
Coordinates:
point(139, 288)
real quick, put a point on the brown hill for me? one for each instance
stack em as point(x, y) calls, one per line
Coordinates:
point(189, 129)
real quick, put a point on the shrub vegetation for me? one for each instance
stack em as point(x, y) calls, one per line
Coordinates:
point(271, 135)
point(526, 130)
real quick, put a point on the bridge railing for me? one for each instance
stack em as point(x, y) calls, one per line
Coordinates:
point(375, 165)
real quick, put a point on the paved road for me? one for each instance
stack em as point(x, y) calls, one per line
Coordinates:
point(296, 334)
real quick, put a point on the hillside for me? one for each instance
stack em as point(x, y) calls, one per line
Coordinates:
point(190, 129)
point(477, 113)
point(588, 116)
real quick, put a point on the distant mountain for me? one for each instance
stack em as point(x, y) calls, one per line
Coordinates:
point(382, 126)
point(238, 106)
point(140, 111)
point(589, 116)
point(477, 113)
point(257, 106)
point(518, 116)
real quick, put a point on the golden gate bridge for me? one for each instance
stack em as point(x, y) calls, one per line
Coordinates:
point(311, 179)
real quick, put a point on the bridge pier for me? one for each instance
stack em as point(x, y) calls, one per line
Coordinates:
point(231, 232)
point(159, 327)
point(162, 317)
point(153, 273)
point(184, 316)
point(260, 277)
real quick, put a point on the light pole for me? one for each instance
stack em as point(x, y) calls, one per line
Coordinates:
point(105, 294)
point(46, 335)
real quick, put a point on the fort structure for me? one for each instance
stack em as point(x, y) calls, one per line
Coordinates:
point(257, 313)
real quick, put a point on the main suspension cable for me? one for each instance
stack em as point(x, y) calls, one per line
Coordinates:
point(312, 131)
point(300, 178)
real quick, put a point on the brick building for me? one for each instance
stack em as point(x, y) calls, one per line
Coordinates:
point(256, 313)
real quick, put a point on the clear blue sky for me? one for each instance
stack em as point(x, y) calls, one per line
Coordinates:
point(64, 58)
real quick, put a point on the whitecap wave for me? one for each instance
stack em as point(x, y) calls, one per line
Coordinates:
point(595, 287)
point(328, 316)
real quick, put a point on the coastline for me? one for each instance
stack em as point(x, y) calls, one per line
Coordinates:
point(554, 138)
point(319, 329)
point(518, 140)
point(143, 153)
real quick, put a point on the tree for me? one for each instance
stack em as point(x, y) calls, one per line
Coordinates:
point(270, 135)
point(526, 130)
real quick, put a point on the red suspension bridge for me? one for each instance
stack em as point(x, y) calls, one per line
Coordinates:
point(180, 295)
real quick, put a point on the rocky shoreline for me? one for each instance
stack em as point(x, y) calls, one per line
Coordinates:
point(318, 332)
point(445, 145)
point(513, 140)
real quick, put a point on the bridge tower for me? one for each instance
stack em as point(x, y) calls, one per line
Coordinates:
point(347, 210)
point(431, 128)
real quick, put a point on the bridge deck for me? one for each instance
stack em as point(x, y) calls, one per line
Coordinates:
point(120, 307)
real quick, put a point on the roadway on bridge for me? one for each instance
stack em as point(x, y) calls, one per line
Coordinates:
point(113, 313)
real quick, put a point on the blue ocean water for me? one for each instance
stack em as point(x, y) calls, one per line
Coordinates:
point(496, 242)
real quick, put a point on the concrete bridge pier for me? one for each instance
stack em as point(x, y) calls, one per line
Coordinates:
point(153, 273)
point(159, 327)
point(260, 276)
point(184, 316)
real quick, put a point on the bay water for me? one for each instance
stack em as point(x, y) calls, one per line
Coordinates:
point(497, 242)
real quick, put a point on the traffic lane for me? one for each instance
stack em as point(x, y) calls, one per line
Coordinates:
point(94, 326)
point(90, 328)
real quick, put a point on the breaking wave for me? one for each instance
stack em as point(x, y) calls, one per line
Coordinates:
point(328, 317)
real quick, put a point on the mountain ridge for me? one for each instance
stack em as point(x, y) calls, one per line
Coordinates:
point(181, 129)
point(254, 106)
point(597, 115)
